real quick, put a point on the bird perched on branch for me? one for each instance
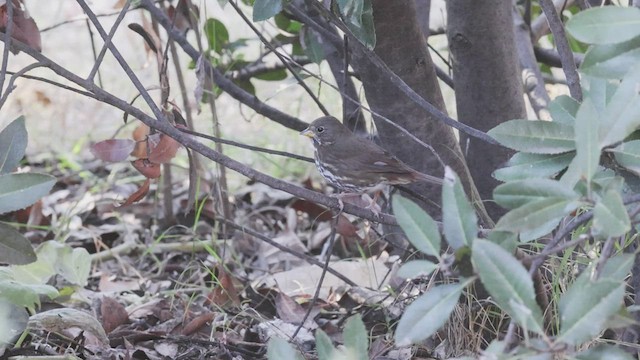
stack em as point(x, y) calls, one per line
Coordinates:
point(354, 164)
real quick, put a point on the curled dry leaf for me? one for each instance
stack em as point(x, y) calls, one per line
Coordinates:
point(226, 291)
point(139, 194)
point(24, 27)
point(165, 150)
point(148, 169)
point(139, 136)
point(113, 150)
point(113, 314)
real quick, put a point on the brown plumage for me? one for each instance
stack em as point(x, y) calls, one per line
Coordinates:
point(355, 164)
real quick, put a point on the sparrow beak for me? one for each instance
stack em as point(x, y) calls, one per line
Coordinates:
point(308, 133)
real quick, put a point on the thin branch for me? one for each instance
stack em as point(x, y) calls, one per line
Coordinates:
point(533, 80)
point(540, 25)
point(107, 42)
point(223, 82)
point(325, 268)
point(123, 63)
point(7, 46)
point(566, 56)
point(186, 140)
point(276, 53)
point(248, 147)
point(260, 68)
point(309, 259)
point(12, 79)
point(54, 83)
point(397, 81)
point(552, 58)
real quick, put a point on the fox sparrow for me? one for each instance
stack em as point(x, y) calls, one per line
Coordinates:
point(354, 164)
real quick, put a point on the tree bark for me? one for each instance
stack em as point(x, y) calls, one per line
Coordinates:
point(487, 81)
point(401, 45)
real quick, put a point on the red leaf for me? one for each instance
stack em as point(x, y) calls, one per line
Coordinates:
point(113, 150)
point(148, 169)
point(165, 150)
point(139, 194)
point(24, 27)
point(139, 135)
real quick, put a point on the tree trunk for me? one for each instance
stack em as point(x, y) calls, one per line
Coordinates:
point(402, 47)
point(487, 81)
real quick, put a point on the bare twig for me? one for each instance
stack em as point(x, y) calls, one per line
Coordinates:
point(325, 267)
point(123, 63)
point(568, 63)
point(7, 46)
point(248, 147)
point(276, 53)
point(309, 259)
point(107, 42)
point(12, 79)
point(402, 86)
point(224, 83)
point(186, 140)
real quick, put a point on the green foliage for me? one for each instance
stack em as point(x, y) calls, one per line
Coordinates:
point(17, 191)
point(356, 344)
point(358, 16)
point(459, 221)
point(556, 174)
point(217, 35)
point(266, 9)
point(605, 25)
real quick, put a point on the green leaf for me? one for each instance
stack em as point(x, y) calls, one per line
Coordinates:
point(585, 309)
point(536, 214)
point(627, 154)
point(428, 313)
point(587, 149)
point(217, 35)
point(517, 193)
point(25, 295)
point(15, 249)
point(563, 109)
point(358, 16)
point(278, 349)
point(324, 346)
point(265, 9)
point(611, 61)
point(55, 258)
point(605, 25)
point(525, 166)
point(509, 283)
point(539, 231)
point(415, 268)
point(13, 143)
point(604, 352)
point(422, 231)
point(535, 136)
point(17, 191)
point(356, 338)
point(74, 265)
point(610, 217)
point(618, 267)
point(273, 75)
point(622, 115)
point(312, 45)
point(459, 221)
point(64, 318)
point(14, 321)
point(600, 91)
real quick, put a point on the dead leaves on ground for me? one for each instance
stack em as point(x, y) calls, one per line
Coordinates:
point(175, 292)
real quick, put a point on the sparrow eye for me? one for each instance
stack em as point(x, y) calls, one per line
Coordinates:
point(320, 129)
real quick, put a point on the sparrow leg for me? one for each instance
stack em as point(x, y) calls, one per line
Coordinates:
point(373, 204)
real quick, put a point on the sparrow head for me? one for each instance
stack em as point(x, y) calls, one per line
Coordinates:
point(326, 130)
